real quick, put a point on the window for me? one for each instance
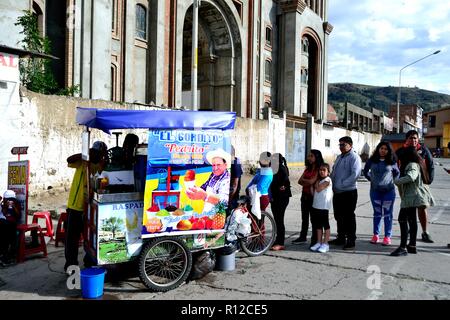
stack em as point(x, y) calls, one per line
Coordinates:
point(431, 121)
point(304, 76)
point(305, 45)
point(115, 18)
point(238, 5)
point(269, 36)
point(327, 143)
point(113, 15)
point(268, 71)
point(141, 22)
point(38, 13)
point(257, 68)
point(113, 82)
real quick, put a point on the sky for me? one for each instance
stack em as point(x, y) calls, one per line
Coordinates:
point(373, 39)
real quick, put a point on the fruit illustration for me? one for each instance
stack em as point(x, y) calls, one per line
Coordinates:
point(219, 217)
point(184, 225)
point(209, 223)
point(199, 224)
point(133, 224)
point(190, 175)
point(189, 179)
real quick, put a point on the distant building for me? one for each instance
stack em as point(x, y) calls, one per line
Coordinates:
point(356, 118)
point(331, 114)
point(410, 117)
point(436, 127)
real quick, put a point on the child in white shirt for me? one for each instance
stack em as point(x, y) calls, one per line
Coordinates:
point(323, 195)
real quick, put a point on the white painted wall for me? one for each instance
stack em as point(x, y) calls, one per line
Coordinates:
point(363, 142)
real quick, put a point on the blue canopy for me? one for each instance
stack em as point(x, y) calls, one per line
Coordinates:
point(107, 119)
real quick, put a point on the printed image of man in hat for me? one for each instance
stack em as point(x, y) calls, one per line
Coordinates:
point(217, 188)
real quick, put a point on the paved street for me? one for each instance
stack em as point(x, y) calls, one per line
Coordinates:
point(296, 273)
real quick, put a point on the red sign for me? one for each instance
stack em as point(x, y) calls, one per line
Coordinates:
point(19, 150)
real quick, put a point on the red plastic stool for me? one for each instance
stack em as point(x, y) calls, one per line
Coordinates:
point(23, 250)
point(48, 230)
point(60, 235)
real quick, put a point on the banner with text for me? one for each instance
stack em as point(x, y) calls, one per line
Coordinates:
point(18, 177)
point(187, 182)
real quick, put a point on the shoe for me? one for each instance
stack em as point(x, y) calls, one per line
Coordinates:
point(375, 239)
point(386, 241)
point(337, 242)
point(399, 252)
point(277, 247)
point(299, 240)
point(349, 246)
point(411, 249)
point(324, 248)
point(315, 247)
point(426, 237)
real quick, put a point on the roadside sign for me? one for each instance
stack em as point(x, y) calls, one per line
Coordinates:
point(18, 177)
point(19, 150)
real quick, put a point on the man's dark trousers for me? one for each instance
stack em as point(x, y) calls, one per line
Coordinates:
point(73, 234)
point(344, 205)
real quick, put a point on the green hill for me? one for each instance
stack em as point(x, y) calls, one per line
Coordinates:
point(366, 96)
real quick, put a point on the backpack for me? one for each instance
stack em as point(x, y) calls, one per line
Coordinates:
point(424, 171)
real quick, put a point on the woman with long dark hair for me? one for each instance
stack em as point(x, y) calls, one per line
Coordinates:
point(307, 180)
point(414, 194)
point(280, 190)
point(381, 170)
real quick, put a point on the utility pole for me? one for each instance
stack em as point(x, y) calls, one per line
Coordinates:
point(195, 6)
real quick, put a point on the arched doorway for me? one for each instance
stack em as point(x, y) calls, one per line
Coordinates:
point(219, 58)
point(312, 72)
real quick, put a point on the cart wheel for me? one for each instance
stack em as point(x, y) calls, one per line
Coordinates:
point(262, 236)
point(164, 263)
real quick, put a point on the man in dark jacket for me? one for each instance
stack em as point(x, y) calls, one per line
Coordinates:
point(412, 139)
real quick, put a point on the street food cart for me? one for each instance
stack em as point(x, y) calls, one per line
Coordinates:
point(145, 213)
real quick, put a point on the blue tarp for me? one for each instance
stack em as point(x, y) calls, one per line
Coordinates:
point(107, 119)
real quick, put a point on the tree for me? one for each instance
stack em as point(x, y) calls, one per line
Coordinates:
point(113, 224)
point(35, 72)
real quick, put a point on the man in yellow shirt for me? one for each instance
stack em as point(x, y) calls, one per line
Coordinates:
point(77, 194)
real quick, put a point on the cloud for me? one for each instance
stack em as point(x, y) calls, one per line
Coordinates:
point(372, 40)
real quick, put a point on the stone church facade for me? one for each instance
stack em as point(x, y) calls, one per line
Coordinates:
point(252, 55)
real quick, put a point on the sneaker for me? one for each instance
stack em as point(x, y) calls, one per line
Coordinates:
point(386, 241)
point(299, 240)
point(324, 248)
point(426, 237)
point(375, 239)
point(350, 245)
point(337, 242)
point(399, 252)
point(411, 249)
point(315, 247)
